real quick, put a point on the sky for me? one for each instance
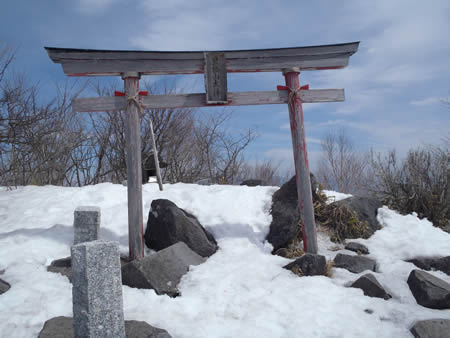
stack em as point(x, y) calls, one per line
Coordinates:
point(395, 84)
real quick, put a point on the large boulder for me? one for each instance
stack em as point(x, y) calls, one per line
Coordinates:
point(371, 287)
point(60, 327)
point(428, 263)
point(285, 216)
point(431, 328)
point(161, 271)
point(4, 286)
point(366, 208)
point(428, 290)
point(167, 224)
point(354, 264)
point(308, 265)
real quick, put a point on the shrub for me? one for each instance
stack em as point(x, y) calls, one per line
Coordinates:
point(419, 183)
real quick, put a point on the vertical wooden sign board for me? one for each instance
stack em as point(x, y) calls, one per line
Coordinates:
point(215, 66)
point(215, 78)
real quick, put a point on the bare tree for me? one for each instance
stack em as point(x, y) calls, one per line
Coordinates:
point(222, 151)
point(418, 183)
point(267, 171)
point(341, 166)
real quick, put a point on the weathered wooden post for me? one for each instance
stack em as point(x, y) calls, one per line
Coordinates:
point(155, 157)
point(305, 204)
point(134, 165)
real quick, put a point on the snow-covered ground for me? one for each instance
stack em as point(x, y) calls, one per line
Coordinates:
point(241, 291)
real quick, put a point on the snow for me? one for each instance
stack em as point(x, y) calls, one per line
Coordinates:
point(334, 196)
point(241, 291)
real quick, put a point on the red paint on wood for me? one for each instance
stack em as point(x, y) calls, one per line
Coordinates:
point(305, 205)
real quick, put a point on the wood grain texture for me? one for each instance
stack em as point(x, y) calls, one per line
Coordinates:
point(215, 78)
point(134, 172)
point(305, 204)
point(112, 103)
point(82, 62)
point(155, 157)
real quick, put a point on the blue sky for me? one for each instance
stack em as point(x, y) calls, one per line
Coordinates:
point(394, 84)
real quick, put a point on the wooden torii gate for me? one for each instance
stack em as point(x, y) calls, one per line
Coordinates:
point(131, 65)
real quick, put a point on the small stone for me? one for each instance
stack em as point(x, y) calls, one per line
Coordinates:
point(62, 262)
point(354, 264)
point(428, 290)
point(432, 328)
point(371, 287)
point(4, 286)
point(252, 182)
point(369, 311)
point(309, 265)
point(357, 247)
point(436, 263)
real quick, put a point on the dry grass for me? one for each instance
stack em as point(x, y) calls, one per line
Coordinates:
point(296, 269)
point(339, 220)
point(329, 268)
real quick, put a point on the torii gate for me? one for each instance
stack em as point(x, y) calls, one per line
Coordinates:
point(131, 65)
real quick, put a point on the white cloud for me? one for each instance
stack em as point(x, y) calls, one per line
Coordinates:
point(427, 101)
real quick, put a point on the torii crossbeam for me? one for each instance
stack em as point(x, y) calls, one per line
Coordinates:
point(131, 65)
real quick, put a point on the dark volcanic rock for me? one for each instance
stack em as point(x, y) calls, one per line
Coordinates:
point(63, 266)
point(428, 290)
point(371, 287)
point(252, 183)
point(357, 247)
point(57, 327)
point(309, 264)
point(62, 327)
point(432, 328)
point(161, 271)
point(428, 263)
point(4, 286)
point(366, 208)
point(354, 264)
point(421, 262)
point(441, 264)
point(285, 216)
point(167, 224)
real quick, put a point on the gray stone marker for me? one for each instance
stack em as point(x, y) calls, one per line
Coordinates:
point(97, 290)
point(86, 224)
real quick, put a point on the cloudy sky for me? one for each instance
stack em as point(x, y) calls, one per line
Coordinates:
point(394, 85)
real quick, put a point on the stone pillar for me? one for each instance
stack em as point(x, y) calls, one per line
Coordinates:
point(97, 290)
point(86, 224)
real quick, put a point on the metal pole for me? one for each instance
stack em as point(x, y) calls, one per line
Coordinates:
point(155, 156)
point(305, 204)
point(134, 167)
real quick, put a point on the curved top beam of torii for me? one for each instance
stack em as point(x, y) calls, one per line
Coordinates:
point(91, 62)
